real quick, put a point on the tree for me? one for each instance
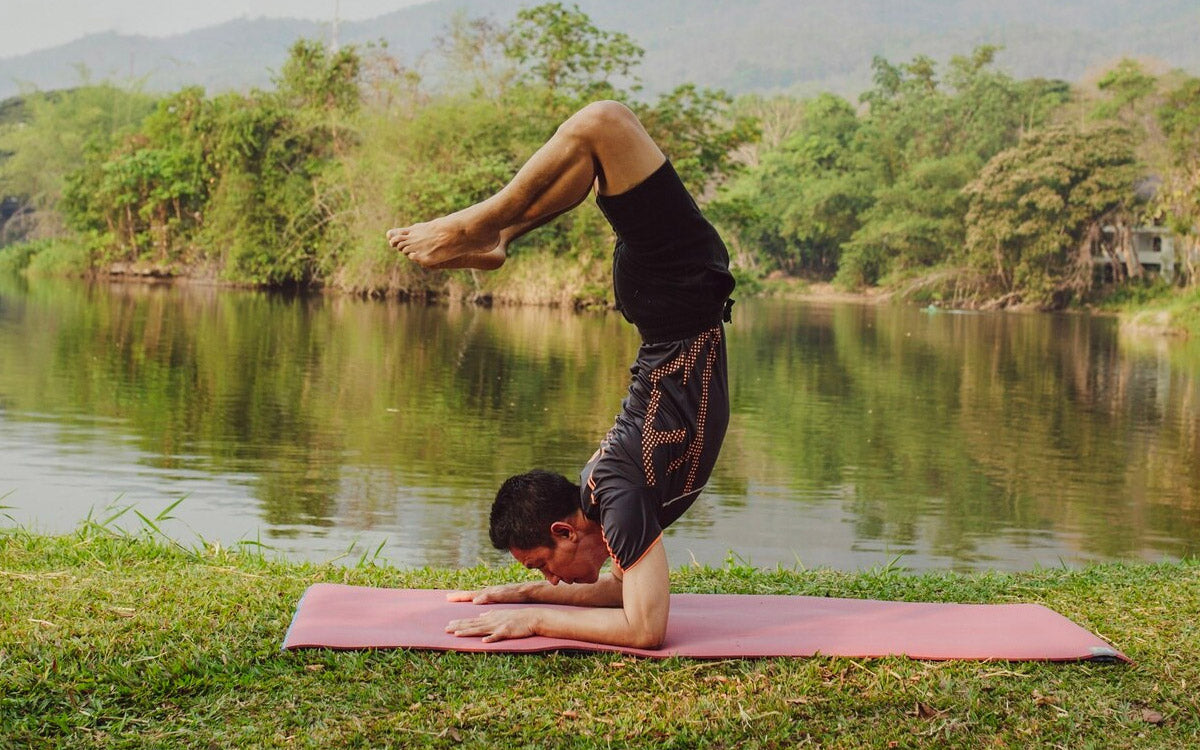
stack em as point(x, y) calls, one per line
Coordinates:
point(923, 139)
point(803, 200)
point(242, 180)
point(1038, 211)
point(148, 192)
point(696, 129)
point(472, 53)
point(51, 139)
point(1123, 87)
point(918, 222)
point(560, 49)
point(1179, 196)
point(317, 79)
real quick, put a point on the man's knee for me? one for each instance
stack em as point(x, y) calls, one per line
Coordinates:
point(600, 121)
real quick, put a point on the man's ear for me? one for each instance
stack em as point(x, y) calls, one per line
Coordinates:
point(562, 530)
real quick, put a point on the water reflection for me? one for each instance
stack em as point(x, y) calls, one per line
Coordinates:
point(859, 433)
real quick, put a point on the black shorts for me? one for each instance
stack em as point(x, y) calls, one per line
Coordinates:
point(670, 268)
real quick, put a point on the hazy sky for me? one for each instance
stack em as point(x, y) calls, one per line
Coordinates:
point(28, 25)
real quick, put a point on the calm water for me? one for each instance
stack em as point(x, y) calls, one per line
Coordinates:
point(326, 426)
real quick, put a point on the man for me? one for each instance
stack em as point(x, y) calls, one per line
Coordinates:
point(671, 279)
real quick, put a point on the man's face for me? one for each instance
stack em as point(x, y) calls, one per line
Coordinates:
point(568, 561)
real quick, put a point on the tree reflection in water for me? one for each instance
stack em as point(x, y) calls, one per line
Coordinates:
point(962, 441)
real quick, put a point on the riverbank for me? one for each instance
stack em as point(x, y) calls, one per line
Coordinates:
point(1153, 310)
point(1177, 314)
point(110, 640)
point(1163, 312)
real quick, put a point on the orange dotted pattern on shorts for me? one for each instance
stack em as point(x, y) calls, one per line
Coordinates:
point(706, 345)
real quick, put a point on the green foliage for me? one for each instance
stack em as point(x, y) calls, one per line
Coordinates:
point(1125, 85)
point(866, 195)
point(1178, 198)
point(803, 200)
point(916, 223)
point(1179, 116)
point(696, 129)
point(926, 139)
point(265, 215)
point(1137, 294)
point(315, 79)
point(234, 181)
point(440, 175)
point(43, 144)
point(1032, 206)
point(59, 257)
point(298, 184)
point(15, 258)
point(560, 49)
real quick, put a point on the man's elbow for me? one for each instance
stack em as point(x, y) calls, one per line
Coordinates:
point(649, 637)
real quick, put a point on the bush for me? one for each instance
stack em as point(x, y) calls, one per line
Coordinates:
point(15, 258)
point(61, 257)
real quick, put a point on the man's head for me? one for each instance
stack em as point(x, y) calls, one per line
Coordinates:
point(536, 517)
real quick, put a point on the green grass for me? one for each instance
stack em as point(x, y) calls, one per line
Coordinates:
point(1183, 310)
point(1153, 305)
point(110, 639)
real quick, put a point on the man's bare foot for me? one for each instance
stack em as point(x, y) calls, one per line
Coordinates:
point(436, 243)
point(489, 261)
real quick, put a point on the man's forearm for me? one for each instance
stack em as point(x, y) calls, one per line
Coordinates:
point(605, 592)
point(612, 626)
point(638, 619)
point(627, 611)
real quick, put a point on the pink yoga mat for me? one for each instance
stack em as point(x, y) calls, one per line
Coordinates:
point(717, 626)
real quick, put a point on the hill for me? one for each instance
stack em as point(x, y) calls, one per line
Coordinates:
point(746, 46)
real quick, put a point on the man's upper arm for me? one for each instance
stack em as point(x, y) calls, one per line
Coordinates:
point(645, 594)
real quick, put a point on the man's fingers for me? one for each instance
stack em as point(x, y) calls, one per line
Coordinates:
point(467, 628)
point(494, 626)
point(475, 597)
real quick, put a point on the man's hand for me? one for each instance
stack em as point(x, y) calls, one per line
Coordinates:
point(629, 612)
point(509, 593)
point(497, 625)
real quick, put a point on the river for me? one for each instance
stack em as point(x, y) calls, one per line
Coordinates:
point(336, 428)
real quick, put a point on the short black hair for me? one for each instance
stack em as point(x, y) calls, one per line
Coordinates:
point(525, 507)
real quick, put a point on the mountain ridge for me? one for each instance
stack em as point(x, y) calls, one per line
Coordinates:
point(752, 46)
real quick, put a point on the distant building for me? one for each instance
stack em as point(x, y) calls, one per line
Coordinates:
point(1158, 249)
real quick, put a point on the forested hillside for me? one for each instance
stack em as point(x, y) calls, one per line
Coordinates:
point(957, 183)
point(745, 46)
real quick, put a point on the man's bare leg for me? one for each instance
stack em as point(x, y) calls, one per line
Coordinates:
point(602, 144)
